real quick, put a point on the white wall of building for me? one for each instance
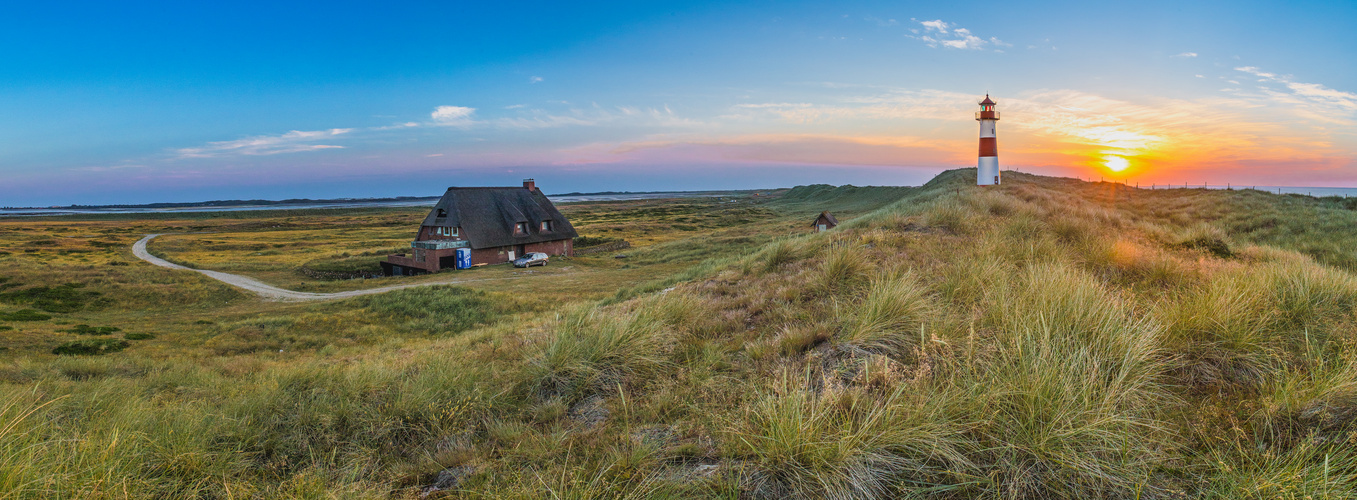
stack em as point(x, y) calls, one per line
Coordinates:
point(987, 171)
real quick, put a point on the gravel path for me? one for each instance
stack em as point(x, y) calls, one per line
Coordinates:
point(270, 292)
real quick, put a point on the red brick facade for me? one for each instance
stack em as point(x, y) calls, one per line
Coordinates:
point(431, 261)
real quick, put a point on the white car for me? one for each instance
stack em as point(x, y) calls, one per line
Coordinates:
point(531, 259)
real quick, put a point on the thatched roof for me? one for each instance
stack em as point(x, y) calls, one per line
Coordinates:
point(487, 215)
point(828, 217)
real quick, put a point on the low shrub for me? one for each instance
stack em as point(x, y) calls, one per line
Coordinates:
point(439, 308)
point(339, 268)
point(93, 330)
point(593, 241)
point(138, 336)
point(58, 299)
point(91, 347)
point(1213, 246)
point(24, 315)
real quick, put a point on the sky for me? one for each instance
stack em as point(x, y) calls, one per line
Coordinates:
point(140, 102)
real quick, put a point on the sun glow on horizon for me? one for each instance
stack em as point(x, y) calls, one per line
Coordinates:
point(1115, 163)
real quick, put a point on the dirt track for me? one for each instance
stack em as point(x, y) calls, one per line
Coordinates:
point(270, 292)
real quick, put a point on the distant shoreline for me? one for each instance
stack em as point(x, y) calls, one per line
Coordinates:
point(300, 204)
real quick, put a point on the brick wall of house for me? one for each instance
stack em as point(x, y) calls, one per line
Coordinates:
point(423, 259)
point(558, 247)
point(427, 233)
point(428, 260)
point(500, 255)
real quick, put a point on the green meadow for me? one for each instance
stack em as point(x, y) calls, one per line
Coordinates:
point(1047, 338)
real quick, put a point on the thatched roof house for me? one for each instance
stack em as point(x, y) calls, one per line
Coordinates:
point(494, 224)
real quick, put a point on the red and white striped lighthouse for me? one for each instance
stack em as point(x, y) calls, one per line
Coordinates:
point(987, 170)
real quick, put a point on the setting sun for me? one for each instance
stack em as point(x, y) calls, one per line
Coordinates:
point(1115, 163)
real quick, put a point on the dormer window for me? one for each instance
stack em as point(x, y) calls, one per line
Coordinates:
point(442, 213)
point(546, 226)
point(521, 228)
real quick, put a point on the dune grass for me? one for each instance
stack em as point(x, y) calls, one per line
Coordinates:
point(1047, 338)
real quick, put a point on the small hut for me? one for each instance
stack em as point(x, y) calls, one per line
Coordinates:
point(824, 222)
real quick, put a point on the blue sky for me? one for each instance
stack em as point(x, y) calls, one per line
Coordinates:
point(158, 101)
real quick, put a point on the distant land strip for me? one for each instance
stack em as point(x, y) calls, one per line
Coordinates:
point(354, 201)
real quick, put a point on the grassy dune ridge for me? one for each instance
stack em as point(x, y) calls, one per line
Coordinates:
point(1048, 338)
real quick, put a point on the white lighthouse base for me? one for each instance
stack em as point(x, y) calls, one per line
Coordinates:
point(987, 171)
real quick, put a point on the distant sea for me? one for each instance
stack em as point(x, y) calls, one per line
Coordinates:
point(1309, 191)
point(32, 212)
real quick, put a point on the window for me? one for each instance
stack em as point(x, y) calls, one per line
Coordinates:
point(447, 231)
point(546, 226)
point(521, 228)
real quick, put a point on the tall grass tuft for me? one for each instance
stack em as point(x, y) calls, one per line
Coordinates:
point(1310, 470)
point(590, 348)
point(844, 267)
point(842, 443)
point(1070, 394)
point(778, 254)
point(891, 314)
point(1309, 294)
point(951, 215)
point(1315, 396)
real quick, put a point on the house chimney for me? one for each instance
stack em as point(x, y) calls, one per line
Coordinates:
point(529, 184)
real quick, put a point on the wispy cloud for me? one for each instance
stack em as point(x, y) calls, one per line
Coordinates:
point(899, 104)
point(109, 168)
point(596, 116)
point(810, 148)
point(535, 79)
point(453, 115)
point(775, 105)
point(936, 25)
point(881, 22)
point(295, 141)
point(545, 120)
point(939, 33)
point(1185, 55)
point(1311, 100)
point(397, 126)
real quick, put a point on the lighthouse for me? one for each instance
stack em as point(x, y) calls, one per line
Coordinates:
point(987, 169)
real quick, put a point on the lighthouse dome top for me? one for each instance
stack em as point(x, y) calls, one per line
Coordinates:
point(987, 101)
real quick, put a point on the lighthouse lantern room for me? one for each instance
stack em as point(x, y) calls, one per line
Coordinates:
point(987, 169)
